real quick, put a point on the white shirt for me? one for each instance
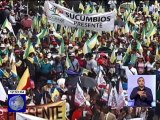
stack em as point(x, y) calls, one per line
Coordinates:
point(92, 64)
point(129, 72)
point(151, 8)
point(119, 57)
point(75, 65)
point(67, 108)
point(150, 66)
point(12, 20)
point(143, 115)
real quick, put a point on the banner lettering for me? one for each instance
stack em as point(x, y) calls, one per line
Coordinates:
point(52, 111)
point(63, 16)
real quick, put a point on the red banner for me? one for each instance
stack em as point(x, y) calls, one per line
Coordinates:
point(4, 115)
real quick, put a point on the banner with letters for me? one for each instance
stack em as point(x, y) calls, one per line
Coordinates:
point(63, 16)
point(52, 111)
point(22, 116)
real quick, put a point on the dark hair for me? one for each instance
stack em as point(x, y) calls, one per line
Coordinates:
point(139, 78)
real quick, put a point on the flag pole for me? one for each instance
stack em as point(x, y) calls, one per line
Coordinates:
point(27, 7)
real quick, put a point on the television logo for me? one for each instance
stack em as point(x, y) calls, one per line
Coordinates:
point(16, 101)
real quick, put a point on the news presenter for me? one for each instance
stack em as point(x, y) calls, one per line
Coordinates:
point(141, 94)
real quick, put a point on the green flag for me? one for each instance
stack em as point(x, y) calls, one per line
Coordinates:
point(126, 28)
point(126, 57)
point(1, 61)
point(139, 47)
point(144, 33)
point(152, 31)
point(43, 33)
point(68, 62)
point(92, 42)
point(62, 47)
point(87, 10)
point(26, 53)
point(81, 6)
point(7, 25)
point(113, 56)
point(86, 48)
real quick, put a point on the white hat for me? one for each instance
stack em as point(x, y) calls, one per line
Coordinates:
point(155, 22)
point(70, 45)
point(54, 56)
point(4, 31)
point(2, 46)
point(36, 45)
point(140, 12)
point(64, 97)
point(12, 12)
point(113, 80)
point(88, 103)
point(57, 47)
point(72, 54)
point(27, 98)
point(61, 81)
point(49, 55)
point(141, 21)
point(76, 47)
point(94, 3)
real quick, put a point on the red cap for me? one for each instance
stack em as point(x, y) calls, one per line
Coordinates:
point(54, 43)
point(102, 54)
point(17, 51)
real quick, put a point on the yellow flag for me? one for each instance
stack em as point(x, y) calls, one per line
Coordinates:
point(21, 36)
point(14, 69)
point(55, 94)
point(146, 9)
point(81, 6)
point(133, 5)
point(6, 74)
point(113, 56)
point(148, 41)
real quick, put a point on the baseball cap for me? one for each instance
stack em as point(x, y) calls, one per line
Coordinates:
point(49, 81)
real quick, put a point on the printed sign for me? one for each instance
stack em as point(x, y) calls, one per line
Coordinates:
point(63, 16)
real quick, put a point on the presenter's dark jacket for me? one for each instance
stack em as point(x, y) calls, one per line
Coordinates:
point(142, 102)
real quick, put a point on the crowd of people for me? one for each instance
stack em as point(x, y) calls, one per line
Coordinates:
point(131, 49)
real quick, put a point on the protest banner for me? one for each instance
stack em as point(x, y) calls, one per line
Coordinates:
point(5, 115)
point(52, 111)
point(63, 16)
point(22, 116)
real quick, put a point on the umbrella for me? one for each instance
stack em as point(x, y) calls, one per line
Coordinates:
point(84, 81)
point(71, 72)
